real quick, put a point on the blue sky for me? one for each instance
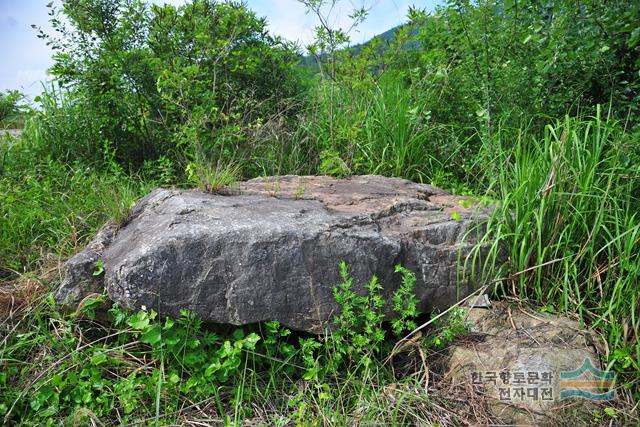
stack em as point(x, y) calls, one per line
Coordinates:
point(24, 58)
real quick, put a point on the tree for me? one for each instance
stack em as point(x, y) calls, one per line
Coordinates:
point(10, 104)
point(157, 80)
point(329, 41)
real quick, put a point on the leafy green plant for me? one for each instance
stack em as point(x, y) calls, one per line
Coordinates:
point(211, 177)
point(358, 326)
point(565, 232)
point(10, 105)
point(448, 328)
point(359, 331)
point(182, 359)
point(405, 303)
point(161, 172)
point(47, 206)
point(99, 270)
point(332, 164)
point(145, 77)
point(328, 40)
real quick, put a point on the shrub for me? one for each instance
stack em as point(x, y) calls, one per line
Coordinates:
point(147, 81)
point(10, 105)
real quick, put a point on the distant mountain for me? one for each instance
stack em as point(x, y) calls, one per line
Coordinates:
point(309, 61)
point(389, 34)
point(386, 37)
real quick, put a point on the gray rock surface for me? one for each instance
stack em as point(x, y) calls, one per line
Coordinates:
point(269, 249)
point(515, 361)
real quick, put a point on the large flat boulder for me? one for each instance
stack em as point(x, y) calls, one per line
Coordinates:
point(269, 249)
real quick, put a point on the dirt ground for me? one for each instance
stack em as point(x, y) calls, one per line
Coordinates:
point(11, 132)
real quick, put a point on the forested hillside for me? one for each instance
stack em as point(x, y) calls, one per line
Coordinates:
point(530, 107)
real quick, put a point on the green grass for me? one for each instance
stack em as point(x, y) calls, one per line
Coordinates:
point(52, 208)
point(565, 233)
point(133, 368)
point(381, 129)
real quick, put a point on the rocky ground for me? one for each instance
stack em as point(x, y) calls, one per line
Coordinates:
point(11, 132)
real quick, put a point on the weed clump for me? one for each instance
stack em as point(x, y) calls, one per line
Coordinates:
point(136, 367)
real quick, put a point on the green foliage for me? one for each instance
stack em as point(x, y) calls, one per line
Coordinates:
point(161, 81)
point(358, 326)
point(51, 209)
point(381, 129)
point(192, 358)
point(566, 229)
point(485, 62)
point(423, 103)
point(146, 367)
point(10, 105)
point(97, 376)
point(405, 303)
point(209, 177)
point(420, 103)
point(359, 335)
point(202, 95)
point(99, 269)
point(447, 329)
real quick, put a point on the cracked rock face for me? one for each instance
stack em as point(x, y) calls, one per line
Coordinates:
point(270, 250)
point(515, 359)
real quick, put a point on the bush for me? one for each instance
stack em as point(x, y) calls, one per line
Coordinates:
point(10, 106)
point(423, 103)
point(489, 62)
point(146, 81)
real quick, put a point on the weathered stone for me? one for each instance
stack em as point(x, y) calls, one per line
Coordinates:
point(515, 362)
point(270, 250)
point(79, 279)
